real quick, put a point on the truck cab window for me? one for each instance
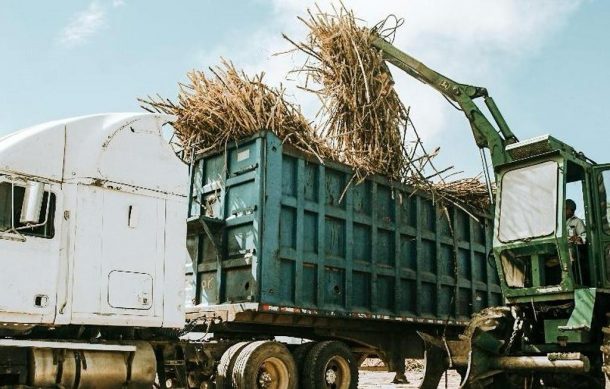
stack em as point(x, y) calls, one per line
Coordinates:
point(11, 202)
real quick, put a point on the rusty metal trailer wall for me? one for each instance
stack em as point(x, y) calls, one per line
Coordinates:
point(270, 225)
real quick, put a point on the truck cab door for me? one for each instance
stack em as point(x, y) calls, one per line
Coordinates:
point(30, 236)
point(601, 205)
point(118, 261)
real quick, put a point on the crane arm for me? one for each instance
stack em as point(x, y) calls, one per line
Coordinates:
point(485, 134)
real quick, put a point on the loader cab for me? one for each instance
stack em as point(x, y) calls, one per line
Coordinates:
point(532, 248)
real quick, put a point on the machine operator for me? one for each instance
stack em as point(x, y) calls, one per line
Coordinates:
point(577, 236)
point(577, 233)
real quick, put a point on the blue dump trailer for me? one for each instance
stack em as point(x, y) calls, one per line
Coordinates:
point(283, 245)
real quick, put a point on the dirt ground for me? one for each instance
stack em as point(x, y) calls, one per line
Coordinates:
point(383, 379)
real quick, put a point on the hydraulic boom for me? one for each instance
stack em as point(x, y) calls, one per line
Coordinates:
point(485, 134)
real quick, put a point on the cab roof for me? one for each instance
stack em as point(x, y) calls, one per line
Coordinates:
point(124, 148)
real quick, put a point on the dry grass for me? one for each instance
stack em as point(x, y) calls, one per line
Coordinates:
point(228, 106)
point(468, 191)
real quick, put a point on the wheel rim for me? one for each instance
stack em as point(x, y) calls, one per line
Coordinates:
point(272, 374)
point(337, 373)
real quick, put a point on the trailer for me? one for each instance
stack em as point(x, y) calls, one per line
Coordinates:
point(283, 245)
point(279, 247)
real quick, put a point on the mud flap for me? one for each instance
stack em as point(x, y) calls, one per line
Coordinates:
point(478, 373)
point(436, 361)
point(472, 360)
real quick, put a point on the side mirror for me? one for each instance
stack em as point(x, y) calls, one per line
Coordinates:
point(32, 203)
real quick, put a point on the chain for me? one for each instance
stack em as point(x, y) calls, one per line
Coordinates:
point(517, 326)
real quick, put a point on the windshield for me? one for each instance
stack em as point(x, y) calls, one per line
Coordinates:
point(528, 203)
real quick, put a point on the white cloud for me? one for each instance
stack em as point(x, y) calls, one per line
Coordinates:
point(472, 41)
point(83, 26)
point(118, 3)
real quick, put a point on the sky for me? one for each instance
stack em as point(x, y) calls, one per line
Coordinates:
point(545, 62)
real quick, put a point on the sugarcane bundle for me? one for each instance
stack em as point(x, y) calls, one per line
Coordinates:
point(362, 115)
point(362, 122)
point(228, 105)
point(468, 191)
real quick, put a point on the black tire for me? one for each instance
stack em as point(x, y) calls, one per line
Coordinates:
point(300, 353)
point(330, 365)
point(265, 361)
point(225, 366)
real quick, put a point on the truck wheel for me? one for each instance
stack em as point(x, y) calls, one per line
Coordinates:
point(225, 366)
point(330, 365)
point(265, 365)
point(300, 353)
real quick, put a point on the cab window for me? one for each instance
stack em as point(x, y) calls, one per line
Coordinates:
point(575, 183)
point(528, 204)
point(11, 202)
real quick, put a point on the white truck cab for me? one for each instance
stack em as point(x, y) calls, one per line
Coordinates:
point(92, 224)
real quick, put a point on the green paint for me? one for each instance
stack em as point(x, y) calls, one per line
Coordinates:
point(582, 315)
point(553, 334)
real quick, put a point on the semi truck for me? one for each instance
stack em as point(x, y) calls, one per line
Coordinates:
point(553, 329)
point(124, 266)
